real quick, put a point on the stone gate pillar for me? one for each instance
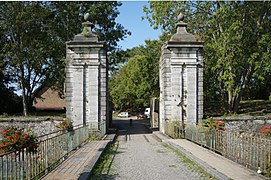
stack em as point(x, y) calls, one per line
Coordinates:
point(181, 78)
point(86, 78)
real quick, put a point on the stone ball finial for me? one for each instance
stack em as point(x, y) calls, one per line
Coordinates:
point(87, 17)
point(180, 17)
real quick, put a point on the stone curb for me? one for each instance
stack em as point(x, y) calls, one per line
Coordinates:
point(85, 175)
point(164, 138)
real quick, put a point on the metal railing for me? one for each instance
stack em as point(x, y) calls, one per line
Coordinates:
point(250, 150)
point(174, 129)
point(53, 149)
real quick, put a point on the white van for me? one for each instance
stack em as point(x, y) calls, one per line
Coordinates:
point(147, 112)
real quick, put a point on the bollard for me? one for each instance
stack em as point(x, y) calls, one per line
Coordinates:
point(131, 122)
point(126, 137)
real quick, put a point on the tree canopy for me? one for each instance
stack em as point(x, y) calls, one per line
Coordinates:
point(34, 36)
point(237, 43)
point(138, 80)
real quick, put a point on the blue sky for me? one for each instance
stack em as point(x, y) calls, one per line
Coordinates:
point(130, 17)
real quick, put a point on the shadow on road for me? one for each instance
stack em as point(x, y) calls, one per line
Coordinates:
point(131, 126)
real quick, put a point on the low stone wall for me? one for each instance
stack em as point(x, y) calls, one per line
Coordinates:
point(39, 126)
point(245, 123)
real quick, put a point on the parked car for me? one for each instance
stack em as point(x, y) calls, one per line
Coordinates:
point(123, 115)
point(141, 116)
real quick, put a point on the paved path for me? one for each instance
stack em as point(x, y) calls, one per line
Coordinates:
point(79, 164)
point(213, 161)
point(215, 164)
point(142, 156)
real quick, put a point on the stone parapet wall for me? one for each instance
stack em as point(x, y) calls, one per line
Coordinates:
point(39, 126)
point(249, 124)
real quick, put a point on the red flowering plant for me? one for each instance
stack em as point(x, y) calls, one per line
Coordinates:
point(15, 140)
point(266, 130)
point(211, 123)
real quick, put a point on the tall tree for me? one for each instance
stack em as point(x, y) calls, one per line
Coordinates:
point(240, 47)
point(26, 50)
point(236, 36)
point(137, 81)
point(35, 33)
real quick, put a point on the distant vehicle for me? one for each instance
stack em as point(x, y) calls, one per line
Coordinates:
point(141, 116)
point(147, 112)
point(123, 115)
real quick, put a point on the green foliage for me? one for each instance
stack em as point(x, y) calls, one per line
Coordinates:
point(16, 140)
point(164, 14)
point(211, 123)
point(137, 81)
point(68, 17)
point(117, 58)
point(103, 169)
point(255, 108)
point(93, 137)
point(27, 46)
point(33, 36)
point(237, 49)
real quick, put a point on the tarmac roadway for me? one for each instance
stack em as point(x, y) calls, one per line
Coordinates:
point(142, 156)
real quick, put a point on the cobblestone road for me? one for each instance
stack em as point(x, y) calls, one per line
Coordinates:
point(141, 156)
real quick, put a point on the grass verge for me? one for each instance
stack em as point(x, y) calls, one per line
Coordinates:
point(191, 164)
point(102, 169)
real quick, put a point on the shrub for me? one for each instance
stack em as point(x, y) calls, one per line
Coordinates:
point(16, 140)
point(211, 123)
point(266, 131)
point(66, 124)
